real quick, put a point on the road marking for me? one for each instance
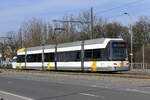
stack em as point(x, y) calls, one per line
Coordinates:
point(92, 95)
point(93, 86)
point(15, 95)
point(9, 82)
point(138, 91)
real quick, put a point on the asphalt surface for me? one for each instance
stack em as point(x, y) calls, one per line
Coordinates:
point(57, 87)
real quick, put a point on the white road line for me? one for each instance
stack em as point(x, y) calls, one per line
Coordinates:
point(95, 86)
point(92, 95)
point(138, 91)
point(9, 82)
point(11, 94)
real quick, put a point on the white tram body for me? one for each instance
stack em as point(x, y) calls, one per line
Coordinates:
point(103, 54)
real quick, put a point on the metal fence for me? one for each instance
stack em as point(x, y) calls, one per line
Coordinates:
point(140, 67)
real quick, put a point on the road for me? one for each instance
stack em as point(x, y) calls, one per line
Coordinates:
point(55, 87)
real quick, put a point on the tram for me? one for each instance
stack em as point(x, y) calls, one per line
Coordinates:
point(102, 54)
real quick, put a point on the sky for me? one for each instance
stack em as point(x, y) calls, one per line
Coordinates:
point(14, 12)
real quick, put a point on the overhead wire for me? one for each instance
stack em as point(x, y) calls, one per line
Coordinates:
point(116, 16)
point(120, 15)
point(121, 6)
point(116, 8)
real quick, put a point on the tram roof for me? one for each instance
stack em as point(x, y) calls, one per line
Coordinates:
point(77, 43)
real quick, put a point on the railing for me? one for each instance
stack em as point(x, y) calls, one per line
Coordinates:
point(141, 68)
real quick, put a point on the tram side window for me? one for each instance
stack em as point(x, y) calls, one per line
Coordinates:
point(49, 57)
point(105, 54)
point(69, 56)
point(88, 55)
point(92, 54)
point(97, 54)
point(78, 56)
point(21, 58)
point(34, 58)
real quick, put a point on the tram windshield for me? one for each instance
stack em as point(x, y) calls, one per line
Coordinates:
point(119, 51)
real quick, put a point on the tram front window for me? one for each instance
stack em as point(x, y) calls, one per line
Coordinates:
point(119, 51)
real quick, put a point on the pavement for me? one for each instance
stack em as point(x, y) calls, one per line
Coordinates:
point(140, 71)
point(27, 86)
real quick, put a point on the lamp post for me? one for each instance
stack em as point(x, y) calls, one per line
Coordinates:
point(131, 34)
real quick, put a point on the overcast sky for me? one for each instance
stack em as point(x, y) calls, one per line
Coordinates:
point(14, 12)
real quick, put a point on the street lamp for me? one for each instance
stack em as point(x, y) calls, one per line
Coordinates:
point(131, 34)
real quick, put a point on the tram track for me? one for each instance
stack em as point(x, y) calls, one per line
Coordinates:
point(102, 74)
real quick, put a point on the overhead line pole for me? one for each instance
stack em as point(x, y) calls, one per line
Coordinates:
point(71, 21)
point(21, 39)
point(92, 23)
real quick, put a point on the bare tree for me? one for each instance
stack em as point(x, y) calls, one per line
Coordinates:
point(33, 32)
point(141, 31)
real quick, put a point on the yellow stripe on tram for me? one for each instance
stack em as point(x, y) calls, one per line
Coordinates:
point(122, 64)
point(21, 50)
point(94, 66)
point(20, 66)
point(48, 66)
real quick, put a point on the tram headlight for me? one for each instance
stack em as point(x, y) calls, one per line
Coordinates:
point(126, 59)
